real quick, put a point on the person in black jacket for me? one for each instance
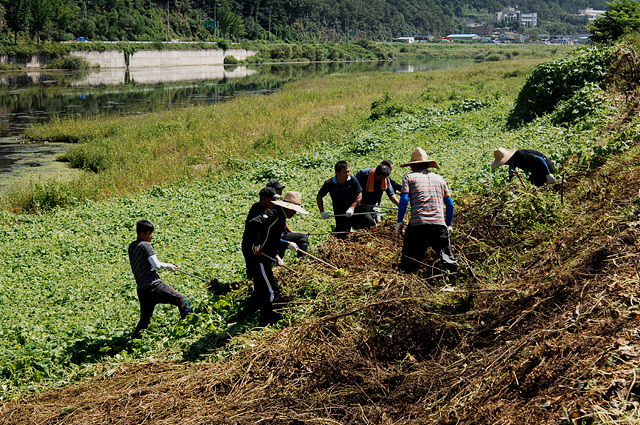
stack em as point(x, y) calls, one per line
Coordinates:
point(265, 231)
point(300, 239)
point(267, 196)
point(539, 167)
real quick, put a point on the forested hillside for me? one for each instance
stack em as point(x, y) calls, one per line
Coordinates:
point(290, 20)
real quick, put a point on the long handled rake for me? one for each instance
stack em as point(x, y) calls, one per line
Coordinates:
point(274, 260)
point(318, 259)
point(192, 275)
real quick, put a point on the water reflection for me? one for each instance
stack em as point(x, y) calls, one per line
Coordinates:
point(32, 97)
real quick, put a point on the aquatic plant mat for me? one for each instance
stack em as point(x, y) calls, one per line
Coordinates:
point(551, 338)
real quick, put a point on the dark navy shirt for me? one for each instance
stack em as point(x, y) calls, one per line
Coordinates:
point(342, 195)
point(533, 162)
point(255, 210)
point(372, 198)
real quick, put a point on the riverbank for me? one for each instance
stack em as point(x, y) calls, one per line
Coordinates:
point(74, 317)
point(135, 55)
point(194, 142)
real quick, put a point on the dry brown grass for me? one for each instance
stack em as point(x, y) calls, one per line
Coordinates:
point(552, 336)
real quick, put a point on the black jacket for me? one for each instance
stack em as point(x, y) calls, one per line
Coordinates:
point(266, 230)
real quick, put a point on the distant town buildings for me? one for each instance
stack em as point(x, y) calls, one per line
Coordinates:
point(510, 15)
point(590, 14)
point(502, 34)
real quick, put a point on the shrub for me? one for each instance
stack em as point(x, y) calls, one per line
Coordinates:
point(586, 102)
point(222, 44)
point(230, 60)
point(385, 107)
point(69, 62)
point(558, 80)
point(281, 51)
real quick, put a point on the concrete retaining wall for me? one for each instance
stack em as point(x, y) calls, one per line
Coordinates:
point(139, 59)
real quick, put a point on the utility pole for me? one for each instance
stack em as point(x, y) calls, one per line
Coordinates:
point(215, 20)
point(168, 39)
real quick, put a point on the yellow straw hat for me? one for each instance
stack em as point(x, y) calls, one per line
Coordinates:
point(419, 156)
point(501, 155)
point(292, 201)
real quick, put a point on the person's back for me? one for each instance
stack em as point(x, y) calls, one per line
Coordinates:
point(427, 191)
point(144, 273)
point(150, 288)
point(429, 225)
point(534, 162)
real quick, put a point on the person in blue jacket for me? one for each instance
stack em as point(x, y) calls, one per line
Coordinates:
point(539, 167)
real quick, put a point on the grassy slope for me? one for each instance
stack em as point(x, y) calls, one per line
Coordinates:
point(308, 115)
point(181, 208)
point(554, 337)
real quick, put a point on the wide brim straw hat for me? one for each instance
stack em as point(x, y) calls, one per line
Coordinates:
point(292, 201)
point(419, 156)
point(501, 156)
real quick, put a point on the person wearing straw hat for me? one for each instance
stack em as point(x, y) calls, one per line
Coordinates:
point(300, 239)
point(267, 196)
point(346, 194)
point(539, 167)
point(265, 232)
point(431, 214)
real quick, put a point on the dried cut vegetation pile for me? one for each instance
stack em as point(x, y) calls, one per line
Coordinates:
point(553, 339)
point(541, 327)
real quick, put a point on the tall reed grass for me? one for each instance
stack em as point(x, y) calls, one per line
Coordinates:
point(123, 155)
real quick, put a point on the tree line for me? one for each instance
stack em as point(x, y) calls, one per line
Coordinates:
point(286, 20)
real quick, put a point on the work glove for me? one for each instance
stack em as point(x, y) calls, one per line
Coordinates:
point(279, 261)
point(257, 250)
point(324, 215)
point(171, 267)
point(376, 210)
point(551, 179)
point(398, 229)
point(292, 246)
point(349, 212)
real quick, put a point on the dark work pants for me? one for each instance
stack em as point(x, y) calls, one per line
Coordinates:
point(417, 238)
point(265, 293)
point(366, 220)
point(159, 293)
point(343, 224)
point(300, 239)
point(249, 259)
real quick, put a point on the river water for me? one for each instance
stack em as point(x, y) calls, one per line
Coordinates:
point(34, 97)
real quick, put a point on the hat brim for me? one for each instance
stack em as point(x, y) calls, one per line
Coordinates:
point(430, 163)
point(499, 162)
point(290, 206)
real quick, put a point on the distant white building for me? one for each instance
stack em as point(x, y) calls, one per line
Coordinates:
point(590, 14)
point(510, 15)
point(408, 40)
point(529, 19)
point(463, 37)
